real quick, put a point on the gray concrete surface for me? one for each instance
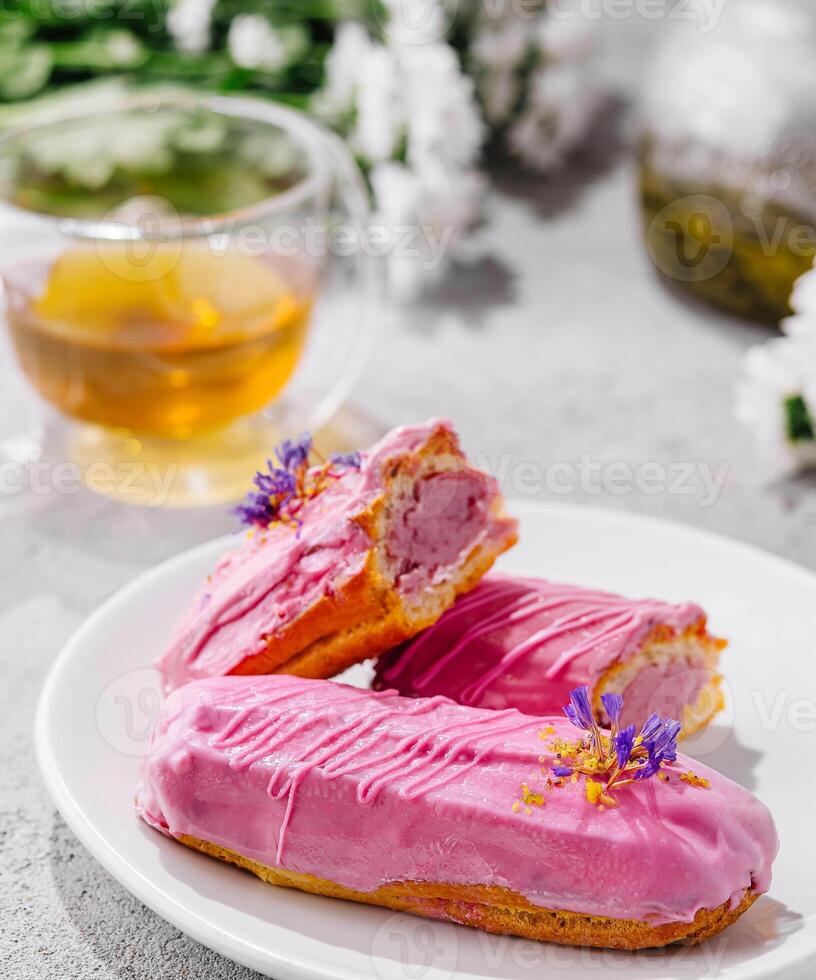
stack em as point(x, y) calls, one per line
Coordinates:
point(553, 341)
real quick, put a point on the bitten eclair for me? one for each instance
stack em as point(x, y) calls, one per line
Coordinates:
point(344, 559)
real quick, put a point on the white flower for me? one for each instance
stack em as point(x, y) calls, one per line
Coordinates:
point(380, 106)
point(560, 106)
point(189, 23)
point(413, 120)
point(443, 125)
point(561, 99)
point(533, 70)
point(435, 195)
point(416, 94)
point(351, 47)
point(363, 83)
point(123, 48)
point(418, 21)
point(497, 53)
point(500, 44)
point(566, 35)
point(254, 43)
point(777, 392)
point(426, 215)
point(803, 304)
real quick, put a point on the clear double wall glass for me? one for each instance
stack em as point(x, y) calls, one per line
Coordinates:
point(174, 294)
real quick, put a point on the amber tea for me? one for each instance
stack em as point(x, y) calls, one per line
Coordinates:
point(172, 344)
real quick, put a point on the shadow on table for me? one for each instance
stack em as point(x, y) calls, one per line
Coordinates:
point(554, 193)
point(474, 288)
point(470, 290)
point(719, 747)
point(724, 320)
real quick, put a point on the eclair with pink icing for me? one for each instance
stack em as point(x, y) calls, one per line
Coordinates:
point(526, 643)
point(346, 557)
point(546, 828)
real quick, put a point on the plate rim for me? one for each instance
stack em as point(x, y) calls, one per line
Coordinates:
point(238, 948)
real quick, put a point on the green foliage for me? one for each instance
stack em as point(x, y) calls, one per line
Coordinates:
point(47, 44)
point(798, 420)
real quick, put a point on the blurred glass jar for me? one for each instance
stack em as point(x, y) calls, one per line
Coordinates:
point(172, 276)
point(728, 156)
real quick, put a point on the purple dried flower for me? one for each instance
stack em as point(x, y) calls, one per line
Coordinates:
point(624, 742)
point(650, 727)
point(352, 460)
point(663, 743)
point(283, 490)
point(622, 758)
point(258, 510)
point(294, 453)
point(275, 488)
point(579, 710)
point(660, 741)
point(649, 768)
point(613, 703)
point(275, 483)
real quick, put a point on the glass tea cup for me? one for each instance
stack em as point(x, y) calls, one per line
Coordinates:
point(171, 289)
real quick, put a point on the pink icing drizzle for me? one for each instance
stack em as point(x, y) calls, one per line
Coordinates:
point(525, 643)
point(365, 788)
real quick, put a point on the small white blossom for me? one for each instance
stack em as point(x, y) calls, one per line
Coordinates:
point(427, 214)
point(566, 39)
point(123, 48)
point(414, 122)
point(418, 21)
point(803, 304)
point(773, 373)
point(189, 23)
point(501, 44)
point(443, 124)
point(497, 54)
point(533, 70)
point(254, 43)
point(363, 82)
point(351, 47)
point(380, 106)
point(560, 107)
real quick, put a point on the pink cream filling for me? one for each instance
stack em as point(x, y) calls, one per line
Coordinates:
point(364, 788)
point(447, 516)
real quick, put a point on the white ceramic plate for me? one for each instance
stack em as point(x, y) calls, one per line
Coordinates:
point(101, 696)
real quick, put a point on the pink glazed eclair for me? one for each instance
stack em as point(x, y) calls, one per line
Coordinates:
point(345, 559)
point(526, 643)
point(458, 813)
